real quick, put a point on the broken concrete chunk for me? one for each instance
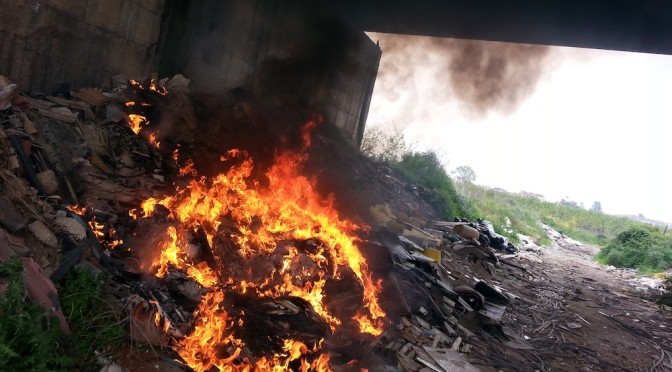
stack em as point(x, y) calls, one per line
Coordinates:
point(178, 84)
point(69, 227)
point(48, 181)
point(43, 234)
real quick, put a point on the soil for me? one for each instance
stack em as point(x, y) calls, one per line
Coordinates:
point(580, 316)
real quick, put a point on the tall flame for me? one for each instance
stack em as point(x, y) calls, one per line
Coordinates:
point(287, 208)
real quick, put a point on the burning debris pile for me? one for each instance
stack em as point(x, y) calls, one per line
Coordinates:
point(259, 267)
point(233, 255)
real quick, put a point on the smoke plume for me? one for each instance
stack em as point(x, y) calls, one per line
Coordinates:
point(482, 76)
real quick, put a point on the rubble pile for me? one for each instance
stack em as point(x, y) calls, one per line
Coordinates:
point(86, 180)
point(62, 151)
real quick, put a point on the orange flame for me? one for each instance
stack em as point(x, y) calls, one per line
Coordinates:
point(288, 208)
point(136, 122)
point(153, 141)
point(152, 87)
point(104, 235)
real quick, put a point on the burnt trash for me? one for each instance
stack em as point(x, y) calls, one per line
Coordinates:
point(439, 279)
point(496, 240)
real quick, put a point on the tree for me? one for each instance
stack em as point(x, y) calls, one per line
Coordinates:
point(465, 174)
point(386, 144)
point(570, 203)
point(597, 207)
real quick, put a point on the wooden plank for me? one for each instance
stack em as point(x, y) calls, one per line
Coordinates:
point(450, 360)
point(58, 116)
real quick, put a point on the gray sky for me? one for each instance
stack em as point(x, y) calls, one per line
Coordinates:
point(593, 125)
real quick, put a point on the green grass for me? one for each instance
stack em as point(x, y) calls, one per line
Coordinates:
point(30, 338)
point(424, 169)
point(627, 243)
point(524, 213)
point(96, 329)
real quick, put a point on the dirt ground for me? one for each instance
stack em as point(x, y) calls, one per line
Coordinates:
point(579, 316)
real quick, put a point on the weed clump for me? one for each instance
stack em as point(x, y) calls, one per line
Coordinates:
point(638, 247)
point(30, 337)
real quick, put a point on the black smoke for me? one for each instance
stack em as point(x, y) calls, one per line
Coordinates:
point(482, 76)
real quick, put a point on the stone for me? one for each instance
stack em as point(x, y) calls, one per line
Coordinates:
point(48, 181)
point(70, 227)
point(43, 234)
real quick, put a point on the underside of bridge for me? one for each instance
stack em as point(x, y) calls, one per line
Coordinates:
point(309, 53)
point(638, 26)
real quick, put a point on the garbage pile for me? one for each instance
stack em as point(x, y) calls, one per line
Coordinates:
point(74, 163)
point(446, 275)
point(63, 151)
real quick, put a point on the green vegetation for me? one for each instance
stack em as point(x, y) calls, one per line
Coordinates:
point(96, 330)
point(524, 213)
point(30, 339)
point(627, 243)
point(425, 169)
point(387, 146)
point(465, 173)
point(421, 168)
point(640, 247)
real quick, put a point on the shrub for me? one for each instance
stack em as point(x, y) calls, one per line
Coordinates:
point(30, 338)
point(96, 331)
point(425, 169)
point(638, 247)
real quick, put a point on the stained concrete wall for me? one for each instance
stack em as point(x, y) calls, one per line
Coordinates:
point(291, 53)
point(44, 43)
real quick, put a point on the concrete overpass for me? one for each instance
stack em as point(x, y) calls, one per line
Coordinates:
point(629, 25)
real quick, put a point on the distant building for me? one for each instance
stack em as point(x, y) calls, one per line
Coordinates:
point(531, 195)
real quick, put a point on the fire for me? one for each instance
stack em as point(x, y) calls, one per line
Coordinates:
point(136, 122)
point(77, 209)
point(104, 234)
point(153, 141)
point(232, 207)
point(152, 87)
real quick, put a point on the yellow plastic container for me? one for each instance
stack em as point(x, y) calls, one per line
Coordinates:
point(432, 253)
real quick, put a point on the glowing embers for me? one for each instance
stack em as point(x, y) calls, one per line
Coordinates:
point(152, 87)
point(138, 121)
